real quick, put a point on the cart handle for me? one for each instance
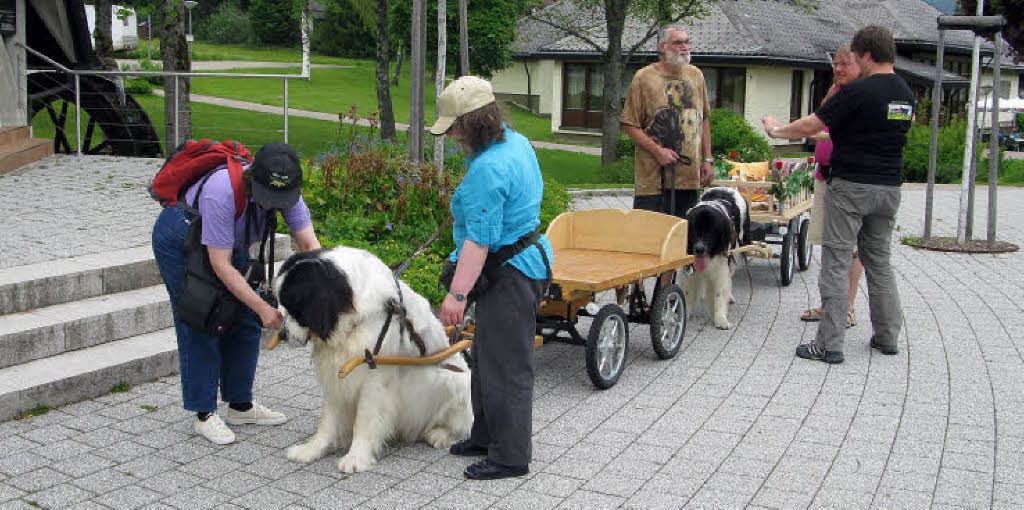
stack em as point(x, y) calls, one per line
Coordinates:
point(431, 359)
point(757, 249)
point(276, 339)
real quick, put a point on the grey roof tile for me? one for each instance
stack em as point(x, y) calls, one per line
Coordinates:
point(752, 28)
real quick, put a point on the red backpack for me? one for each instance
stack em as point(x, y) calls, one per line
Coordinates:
point(194, 160)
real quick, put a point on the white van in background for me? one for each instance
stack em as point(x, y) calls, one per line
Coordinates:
point(124, 33)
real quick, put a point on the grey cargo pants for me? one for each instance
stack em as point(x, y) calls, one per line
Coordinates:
point(858, 216)
point(502, 377)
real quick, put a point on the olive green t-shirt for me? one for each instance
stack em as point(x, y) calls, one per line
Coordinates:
point(671, 109)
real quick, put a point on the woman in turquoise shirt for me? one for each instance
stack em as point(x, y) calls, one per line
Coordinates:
point(497, 211)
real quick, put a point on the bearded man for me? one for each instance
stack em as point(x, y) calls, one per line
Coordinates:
point(666, 114)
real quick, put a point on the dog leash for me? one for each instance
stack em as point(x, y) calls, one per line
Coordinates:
point(394, 307)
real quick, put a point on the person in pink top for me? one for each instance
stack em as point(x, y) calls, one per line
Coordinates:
point(844, 70)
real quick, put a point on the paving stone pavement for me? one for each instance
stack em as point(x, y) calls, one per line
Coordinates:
point(734, 420)
point(63, 206)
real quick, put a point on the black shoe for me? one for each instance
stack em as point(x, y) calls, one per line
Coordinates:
point(467, 449)
point(489, 470)
point(888, 350)
point(809, 351)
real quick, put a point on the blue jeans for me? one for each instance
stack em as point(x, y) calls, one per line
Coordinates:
point(206, 362)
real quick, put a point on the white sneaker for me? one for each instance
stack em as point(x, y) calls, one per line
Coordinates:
point(215, 430)
point(258, 415)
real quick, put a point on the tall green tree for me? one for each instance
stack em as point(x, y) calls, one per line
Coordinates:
point(174, 51)
point(104, 44)
point(384, 106)
point(275, 22)
point(583, 19)
point(1012, 10)
point(343, 32)
point(491, 32)
point(374, 17)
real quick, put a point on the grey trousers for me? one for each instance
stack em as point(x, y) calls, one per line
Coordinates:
point(502, 377)
point(858, 216)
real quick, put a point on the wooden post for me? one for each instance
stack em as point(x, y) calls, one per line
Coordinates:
point(417, 58)
point(463, 38)
point(993, 155)
point(934, 152)
point(19, 60)
point(969, 146)
point(442, 50)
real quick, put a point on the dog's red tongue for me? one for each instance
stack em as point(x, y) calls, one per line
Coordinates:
point(700, 263)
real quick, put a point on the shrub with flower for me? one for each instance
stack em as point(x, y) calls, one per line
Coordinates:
point(789, 181)
point(369, 195)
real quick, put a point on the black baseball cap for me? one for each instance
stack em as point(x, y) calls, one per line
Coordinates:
point(276, 176)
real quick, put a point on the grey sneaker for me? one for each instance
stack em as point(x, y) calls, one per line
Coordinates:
point(215, 430)
point(810, 351)
point(258, 415)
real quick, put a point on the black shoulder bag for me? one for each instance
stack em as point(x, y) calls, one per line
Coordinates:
point(205, 303)
point(493, 262)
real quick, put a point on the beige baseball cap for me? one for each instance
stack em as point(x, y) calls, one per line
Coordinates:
point(460, 97)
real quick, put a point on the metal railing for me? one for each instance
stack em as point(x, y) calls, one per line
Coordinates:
point(174, 140)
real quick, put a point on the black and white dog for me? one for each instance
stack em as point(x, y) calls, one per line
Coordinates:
point(717, 224)
point(338, 300)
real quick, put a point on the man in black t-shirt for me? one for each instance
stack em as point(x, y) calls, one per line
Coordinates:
point(868, 122)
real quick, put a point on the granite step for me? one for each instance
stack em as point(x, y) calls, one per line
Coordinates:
point(21, 152)
point(44, 284)
point(30, 335)
point(87, 373)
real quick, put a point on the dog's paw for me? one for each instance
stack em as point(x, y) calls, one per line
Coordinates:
point(722, 323)
point(306, 452)
point(439, 438)
point(354, 463)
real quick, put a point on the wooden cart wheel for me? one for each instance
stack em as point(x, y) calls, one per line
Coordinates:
point(607, 344)
point(787, 260)
point(668, 321)
point(803, 246)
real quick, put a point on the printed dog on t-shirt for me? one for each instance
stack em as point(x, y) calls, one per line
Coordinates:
point(670, 124)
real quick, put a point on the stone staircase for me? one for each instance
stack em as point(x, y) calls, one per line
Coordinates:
point(72, 329)
point(18, 148)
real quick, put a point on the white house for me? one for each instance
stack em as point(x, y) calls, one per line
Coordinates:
point(759, 57)
point(123, 32)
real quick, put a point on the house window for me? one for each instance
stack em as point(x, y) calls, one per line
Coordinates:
point(582, 95)
point(796, 95)
point(1020, 85)
point(583, 91)
point(727, 87)
point(1004, 89)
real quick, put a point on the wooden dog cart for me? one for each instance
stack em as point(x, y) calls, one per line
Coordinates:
point(595, 251)
point(611, 249)
point(787, 228)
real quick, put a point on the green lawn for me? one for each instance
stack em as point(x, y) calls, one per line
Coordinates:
point(310, 137)
point(328, 90)
point(331, 90)
point(569, 168)
point(207, 51)
point(338, 90)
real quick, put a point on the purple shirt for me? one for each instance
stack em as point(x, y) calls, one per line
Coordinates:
point(217, 207)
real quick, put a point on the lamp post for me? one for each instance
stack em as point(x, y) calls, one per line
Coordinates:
point(190, 4)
